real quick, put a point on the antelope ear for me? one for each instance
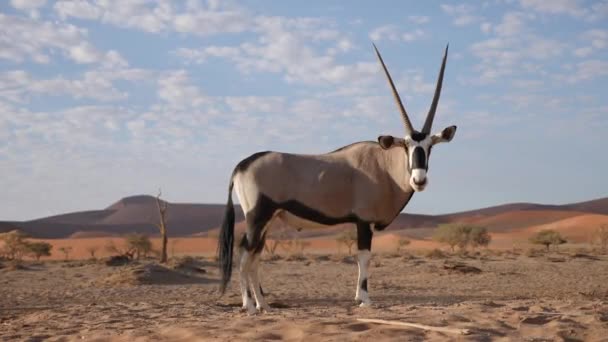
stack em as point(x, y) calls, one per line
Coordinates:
point(445, 136)
point(388, 141)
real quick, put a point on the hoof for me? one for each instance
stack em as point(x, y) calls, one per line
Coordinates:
point(264, 308)
point(249, 309)
point(367, 304)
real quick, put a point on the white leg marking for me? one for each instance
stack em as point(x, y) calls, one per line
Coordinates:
point(254, 276)
point(244, 268)
point(363, 259)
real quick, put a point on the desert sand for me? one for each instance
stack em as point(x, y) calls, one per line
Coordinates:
point(553, 297)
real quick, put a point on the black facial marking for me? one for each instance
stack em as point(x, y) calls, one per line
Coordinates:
point(418, 158)
point(364, 236)
point(244, 164)
point(417, 136)
point(364, 285)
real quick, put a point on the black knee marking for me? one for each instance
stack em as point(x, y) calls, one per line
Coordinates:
point(262, 291)
point(249, 293)
point(364, 285)
point(364, 236)
point(244, 244)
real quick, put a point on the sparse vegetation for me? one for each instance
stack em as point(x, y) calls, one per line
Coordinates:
point(174, 243)
point(279, 239)
point(162, 226)
point(479, 237)
point(92, 250)
point(462, 235)
point(348, 239)
point(600, 238)
point(547, 238)
point(66, 250)
point(401, 243)
point(15, 246)
point(300, 245)
point(138, 245)
point(39, 249)
point(435, 254)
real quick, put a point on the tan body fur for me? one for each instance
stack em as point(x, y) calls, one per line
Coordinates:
point(361, 179)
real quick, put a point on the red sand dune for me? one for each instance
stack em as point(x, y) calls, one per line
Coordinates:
point(575, 229)
point(522, 218)
point(138, 214)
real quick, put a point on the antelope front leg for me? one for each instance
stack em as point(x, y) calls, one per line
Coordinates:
point(364, 246)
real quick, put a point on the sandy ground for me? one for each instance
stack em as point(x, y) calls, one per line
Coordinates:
point(560, 297)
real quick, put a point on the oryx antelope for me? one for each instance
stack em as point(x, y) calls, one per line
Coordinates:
point(367, 183)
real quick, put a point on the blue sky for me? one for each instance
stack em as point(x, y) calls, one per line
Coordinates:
point(105, 99)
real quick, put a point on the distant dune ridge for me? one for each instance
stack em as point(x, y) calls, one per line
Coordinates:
point(139, 213)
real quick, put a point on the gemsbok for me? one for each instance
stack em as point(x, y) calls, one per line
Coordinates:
point(366, 183)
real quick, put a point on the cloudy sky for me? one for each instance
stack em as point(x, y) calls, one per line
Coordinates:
point(102, 99)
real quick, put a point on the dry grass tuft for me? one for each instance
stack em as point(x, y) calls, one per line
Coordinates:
point(436, 254)
point(535, 253)
point(133, 275)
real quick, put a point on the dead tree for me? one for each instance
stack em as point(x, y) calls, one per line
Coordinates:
point(162, 225)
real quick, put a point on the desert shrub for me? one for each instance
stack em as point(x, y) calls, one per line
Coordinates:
point(547, 238)
point(462, 235)
point(401, 243)
point(300, 245)
point(138, 244)
point(479, 237)
point(15, 245)
point(534, 253)
point(600, 238)
point(66, 250)
point(435, 254)
point(118, 260)
point(348, 239)
point(39, 249)
point(92, 250)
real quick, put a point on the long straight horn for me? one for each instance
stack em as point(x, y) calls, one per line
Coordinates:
point(406, 120)
point(431, 115)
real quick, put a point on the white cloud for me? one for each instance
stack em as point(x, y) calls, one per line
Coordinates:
point(84, 53)
point(291, 47)
point(78, 9)
point(595, 39)
point(599, 11)
point(567, 7)
point(393, 33)
point(20, 87)
point(29, 6)
point(513, 23)
point(586, 71)
point(176, 89)
point(462, 14)
point(507, 55)
point(159, 16)
point(30, 39)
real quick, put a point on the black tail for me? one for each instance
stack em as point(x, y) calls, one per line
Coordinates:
point(226, 242)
